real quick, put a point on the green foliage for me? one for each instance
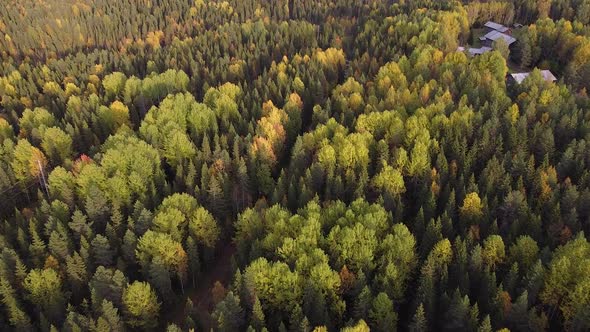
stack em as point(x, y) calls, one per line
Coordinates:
point(502, 47)
point(161, 249)
point(493, 252)
point(44, 289)
point(229, 314)
point(34, 123)
point(57, 145)
point(398, 262)
point(390, 180)
point(274, 283)
point(28, 161)
point(114, 84)
point(204, 228)
point(419, 323)
point(141, 305)
point(525, 252)
point(382, 314)
point(352, 162)
point(567, 279)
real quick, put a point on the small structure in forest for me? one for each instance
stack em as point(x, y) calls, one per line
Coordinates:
point(479, 51)
point(474, 51)
point(492, 36)
point(493, 26)
point(519, 77)
point(495, 31)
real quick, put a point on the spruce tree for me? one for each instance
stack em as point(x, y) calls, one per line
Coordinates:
point(229, 313)
point(419, 323)
point(257, 318)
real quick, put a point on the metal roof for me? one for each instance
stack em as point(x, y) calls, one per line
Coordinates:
point(496, 26)
point(479, 51)
point(495, 35)
point(474, 51)
point(546, 74)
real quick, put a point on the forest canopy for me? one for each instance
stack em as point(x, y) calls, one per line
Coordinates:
point(248, 165)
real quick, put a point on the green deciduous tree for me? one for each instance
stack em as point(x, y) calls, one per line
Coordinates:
point(568, 278)
point(28, 161)
point(524, 252)
point(204, 228)
point(141, 306)
point(398, 261)
point(57, 145)
point(493, 252)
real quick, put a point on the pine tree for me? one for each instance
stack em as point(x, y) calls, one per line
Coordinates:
point(101, 251)
point(382, 314)
point(20, 271)
point(419, 323)
point(77, 275)
point(106, 284)
point(229, 313)
point(456, 317)
point(194, 265)
point(432, 235)
point(114, 228)
point(485, 326)
point(159, 276)
point(109, 319)
point(525, 51)
point(215, 196)
point(511, 280)
point(16, 316)
point(128, 246)
point(304, 326)
point(37, 248)
point(85, 250)
point(257, 319)
point(363, 303)
point(173, 328)
point(314, 306)
point(296, 317)
point(44, 290)
point(80, 226)
point(96, 206)
point(534, 281)
point(473, 318)
point(59, 244)
point(143, 219)
point(517, 319)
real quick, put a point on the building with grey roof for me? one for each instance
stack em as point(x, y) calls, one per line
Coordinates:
point(492, 36)
point(479, 51)
point(474, 51)
point(493, 26)
point(519, 77)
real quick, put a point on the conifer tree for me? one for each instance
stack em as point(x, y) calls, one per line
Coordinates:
point(419, 323)
point(229, 313)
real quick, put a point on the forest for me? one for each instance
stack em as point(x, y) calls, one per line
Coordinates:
point(293, 166)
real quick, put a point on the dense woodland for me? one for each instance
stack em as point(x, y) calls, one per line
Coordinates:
point(341, 164)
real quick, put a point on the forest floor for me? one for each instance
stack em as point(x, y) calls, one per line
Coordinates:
point(514, 68)
point(201, 295)
point(475, 34)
